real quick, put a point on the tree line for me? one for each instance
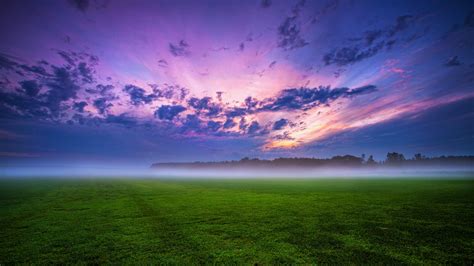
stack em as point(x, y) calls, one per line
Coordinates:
point(392, 159)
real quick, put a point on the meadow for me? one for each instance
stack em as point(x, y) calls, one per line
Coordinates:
point(97, 221)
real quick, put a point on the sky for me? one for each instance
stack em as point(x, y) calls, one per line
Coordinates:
point(111, 81)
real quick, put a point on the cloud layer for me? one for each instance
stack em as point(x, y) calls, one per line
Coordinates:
point(275, 77)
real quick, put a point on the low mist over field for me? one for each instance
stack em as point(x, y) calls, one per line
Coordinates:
point(220, 173)
point(395, 166)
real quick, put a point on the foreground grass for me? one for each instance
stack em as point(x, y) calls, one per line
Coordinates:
point(237, 221)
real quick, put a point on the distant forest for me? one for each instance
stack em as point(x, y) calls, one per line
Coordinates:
point(393, 159)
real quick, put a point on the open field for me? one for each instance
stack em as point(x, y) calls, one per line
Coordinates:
point(237, 221)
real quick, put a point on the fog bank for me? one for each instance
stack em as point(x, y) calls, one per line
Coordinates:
point(234, 173)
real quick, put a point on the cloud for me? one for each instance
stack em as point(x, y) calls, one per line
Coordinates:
point(163, 63)
point(192, 123)
point(13, 105)
point(243, 124)
point(86, 72)
point(453, 61)
point(62, 94)
point(30, 87)
point(170, 91)
point(280, 124)
point(253, 127)
point(205, 103)
point(368, 45)
point(361, 90)
point(289, 34)
point(401, 23)
point(213, 126)
point(46, 87)
point(236, 111)
point(122, 119)
point(138, 95)
point(229, 123)
point(168, 112)
point(7, 62)
point(102, 105)
point(79, 106)
point(179, 49)
point(348, 55)
point(307, 98)
point(62, 87)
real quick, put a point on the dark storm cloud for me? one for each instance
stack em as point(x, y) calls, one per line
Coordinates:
point(371, 43)
point(280, 124)
point(179, 49)
point(168, 112)
point(453, 61)
point(138, 95)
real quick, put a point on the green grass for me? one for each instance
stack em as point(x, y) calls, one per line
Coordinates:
point(237, 221)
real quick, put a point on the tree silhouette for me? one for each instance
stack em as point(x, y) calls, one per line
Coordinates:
point(371, 160)
point(394, 158)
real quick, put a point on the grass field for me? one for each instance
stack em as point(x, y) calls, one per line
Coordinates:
point(237, 221)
